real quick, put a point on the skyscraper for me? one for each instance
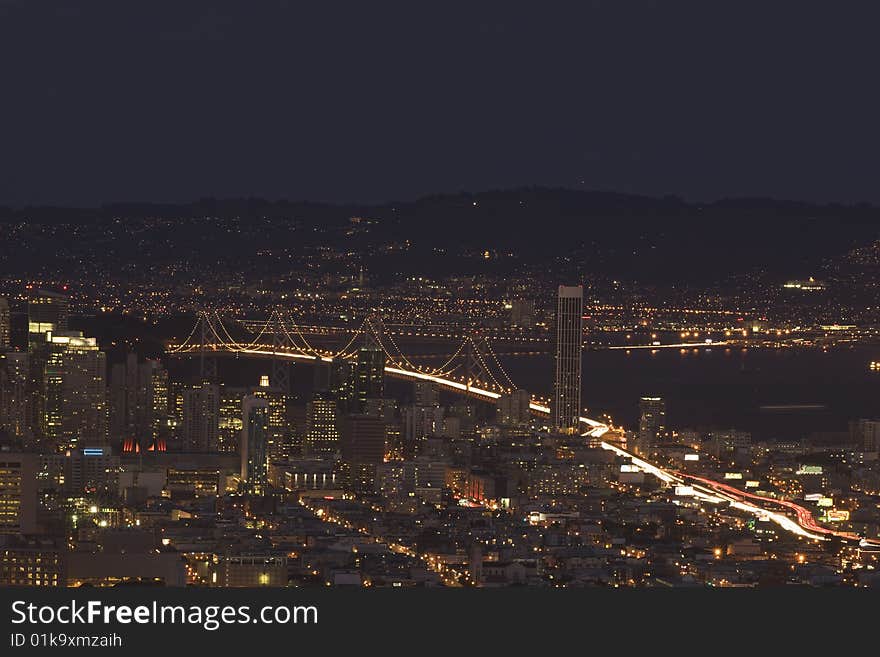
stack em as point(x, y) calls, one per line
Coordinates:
point(254, 443)
point(16, 400)
point(74, 408)
point(419, 423)
point(569, 338)
point(513, 408)
point(652, 423)
point(369, 376)
point(139, 403)
point(47, 311)
point(322, 425)
point(278, 443)
point(201, 417)
point(363, 448)
point(5, 328)
point(230, 422)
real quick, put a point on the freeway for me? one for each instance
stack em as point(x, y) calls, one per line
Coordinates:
point(803, 523)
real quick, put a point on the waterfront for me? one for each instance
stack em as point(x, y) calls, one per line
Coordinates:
point(776, 394)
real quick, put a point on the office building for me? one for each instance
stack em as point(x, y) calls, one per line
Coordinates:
point(522, 313)
point(420, 423)
point(425, 393)
point(31, 561)
point(229, 420)
point(513, 408)
point(18, 493)
point(87, 468)
point(369, 376)
point(723, 444)
point(566, 409)
point(139, 404)
point(652, 423)
point(363, 448)
point(338, 379)
point(47, 311)
point(322, 425)
point(254, 443)
point(201, 417)
point(278, 445)
point(74, 395)
point(865, 434)
point(16, 398)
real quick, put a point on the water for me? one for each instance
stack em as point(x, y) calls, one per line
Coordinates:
point(733, 388)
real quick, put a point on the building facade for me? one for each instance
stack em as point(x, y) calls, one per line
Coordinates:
point(566, 408)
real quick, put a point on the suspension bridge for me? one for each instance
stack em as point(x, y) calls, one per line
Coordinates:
point(473, 369)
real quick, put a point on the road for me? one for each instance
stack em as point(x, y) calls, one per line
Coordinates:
point(803, 523)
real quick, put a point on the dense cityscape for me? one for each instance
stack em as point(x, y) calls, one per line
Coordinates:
point(319, 398)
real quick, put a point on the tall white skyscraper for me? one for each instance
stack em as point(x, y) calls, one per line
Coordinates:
point(569, 337)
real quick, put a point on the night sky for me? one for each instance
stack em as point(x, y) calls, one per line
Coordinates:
point(370, 101)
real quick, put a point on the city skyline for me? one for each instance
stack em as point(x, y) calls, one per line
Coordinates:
point(327, 415)
point(314, 298)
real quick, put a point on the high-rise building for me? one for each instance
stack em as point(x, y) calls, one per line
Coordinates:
point(278, 445)
point(369, 376)
point(175, 413)
point(16, 400)
point(425, 393)
point(230, 422)
point(866, 434)
point(322, 425)
point(513, 408)
point(18, 493)
point(139, 404)
point(201, 417)
point(569, 341)
point(337, 378)
point(5, 325)
point(420, 423)
point(254, 443)
point(363, 448)
point(652, 423)
point(74, 395)
point(724, 443)
point(230, 418)
point(47, 311)
point(522, 313)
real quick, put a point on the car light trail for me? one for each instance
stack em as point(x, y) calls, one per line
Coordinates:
point(713, 491)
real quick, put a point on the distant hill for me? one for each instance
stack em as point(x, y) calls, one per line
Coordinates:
point(640, 237)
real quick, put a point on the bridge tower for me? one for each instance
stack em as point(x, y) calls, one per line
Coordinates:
point(207, 363)
point(473, 364)
point(374, 333)
point(280, 366)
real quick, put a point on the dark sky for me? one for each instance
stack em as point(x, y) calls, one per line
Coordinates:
point(171, 101)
